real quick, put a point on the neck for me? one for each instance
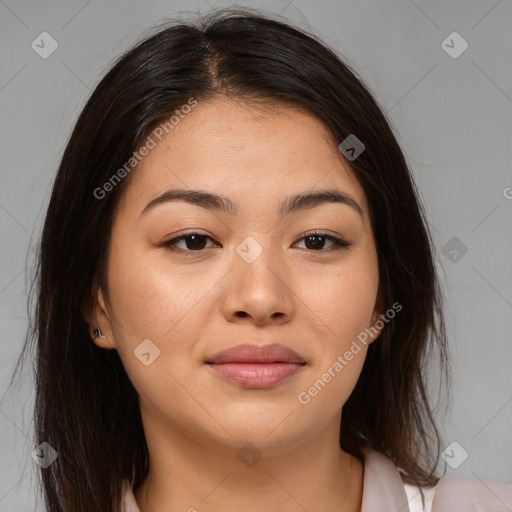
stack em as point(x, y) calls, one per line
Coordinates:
point(187, 475)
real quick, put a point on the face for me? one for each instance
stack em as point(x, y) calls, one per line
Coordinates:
point(267, 271)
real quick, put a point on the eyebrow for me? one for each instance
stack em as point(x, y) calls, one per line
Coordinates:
point(302, 201)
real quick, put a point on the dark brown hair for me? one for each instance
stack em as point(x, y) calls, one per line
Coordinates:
point(86, 407)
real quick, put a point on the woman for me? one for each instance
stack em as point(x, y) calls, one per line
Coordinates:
point(236, 294)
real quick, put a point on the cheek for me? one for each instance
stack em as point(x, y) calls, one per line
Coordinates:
point(155, 301)
point(342, 306)
point(344, 300)
point(152, 299)
point(345, 306)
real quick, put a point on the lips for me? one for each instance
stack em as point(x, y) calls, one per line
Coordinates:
point(257, 354)
point(256, 367)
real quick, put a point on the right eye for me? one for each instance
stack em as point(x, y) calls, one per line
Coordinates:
point(194, 242)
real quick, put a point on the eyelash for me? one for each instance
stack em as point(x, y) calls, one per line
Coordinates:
point(339, 244)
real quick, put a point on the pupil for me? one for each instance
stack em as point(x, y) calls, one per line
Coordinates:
point(317, 241)
point(195, 240)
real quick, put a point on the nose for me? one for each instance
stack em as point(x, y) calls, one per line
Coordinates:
point(259, 292)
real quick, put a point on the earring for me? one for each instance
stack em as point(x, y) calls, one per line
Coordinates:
point(98, 333)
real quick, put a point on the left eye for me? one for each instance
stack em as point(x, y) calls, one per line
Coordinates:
point(316, 240)
point(195, 242)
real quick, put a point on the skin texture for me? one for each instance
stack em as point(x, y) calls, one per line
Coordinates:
point(192, 305)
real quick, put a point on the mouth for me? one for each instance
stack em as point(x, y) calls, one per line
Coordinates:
point(256, 375)
point(256, 367)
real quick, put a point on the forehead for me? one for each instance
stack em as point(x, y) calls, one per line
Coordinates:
point(252, 153)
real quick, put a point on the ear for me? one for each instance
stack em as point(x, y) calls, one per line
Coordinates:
point(96, 314)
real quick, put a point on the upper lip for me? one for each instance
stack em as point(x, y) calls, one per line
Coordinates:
point(273, 353)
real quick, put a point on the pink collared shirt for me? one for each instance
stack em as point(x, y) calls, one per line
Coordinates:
point(385, 491)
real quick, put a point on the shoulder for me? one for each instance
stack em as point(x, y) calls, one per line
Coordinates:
point(471, 495)
point(460, 495)
point(385, 489)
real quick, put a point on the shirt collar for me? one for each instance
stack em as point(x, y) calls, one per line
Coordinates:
point(383, 487)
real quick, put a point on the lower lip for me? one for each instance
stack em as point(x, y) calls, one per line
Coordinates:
point(256, 375)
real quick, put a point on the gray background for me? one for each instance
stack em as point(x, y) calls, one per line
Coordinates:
point(453, 117)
